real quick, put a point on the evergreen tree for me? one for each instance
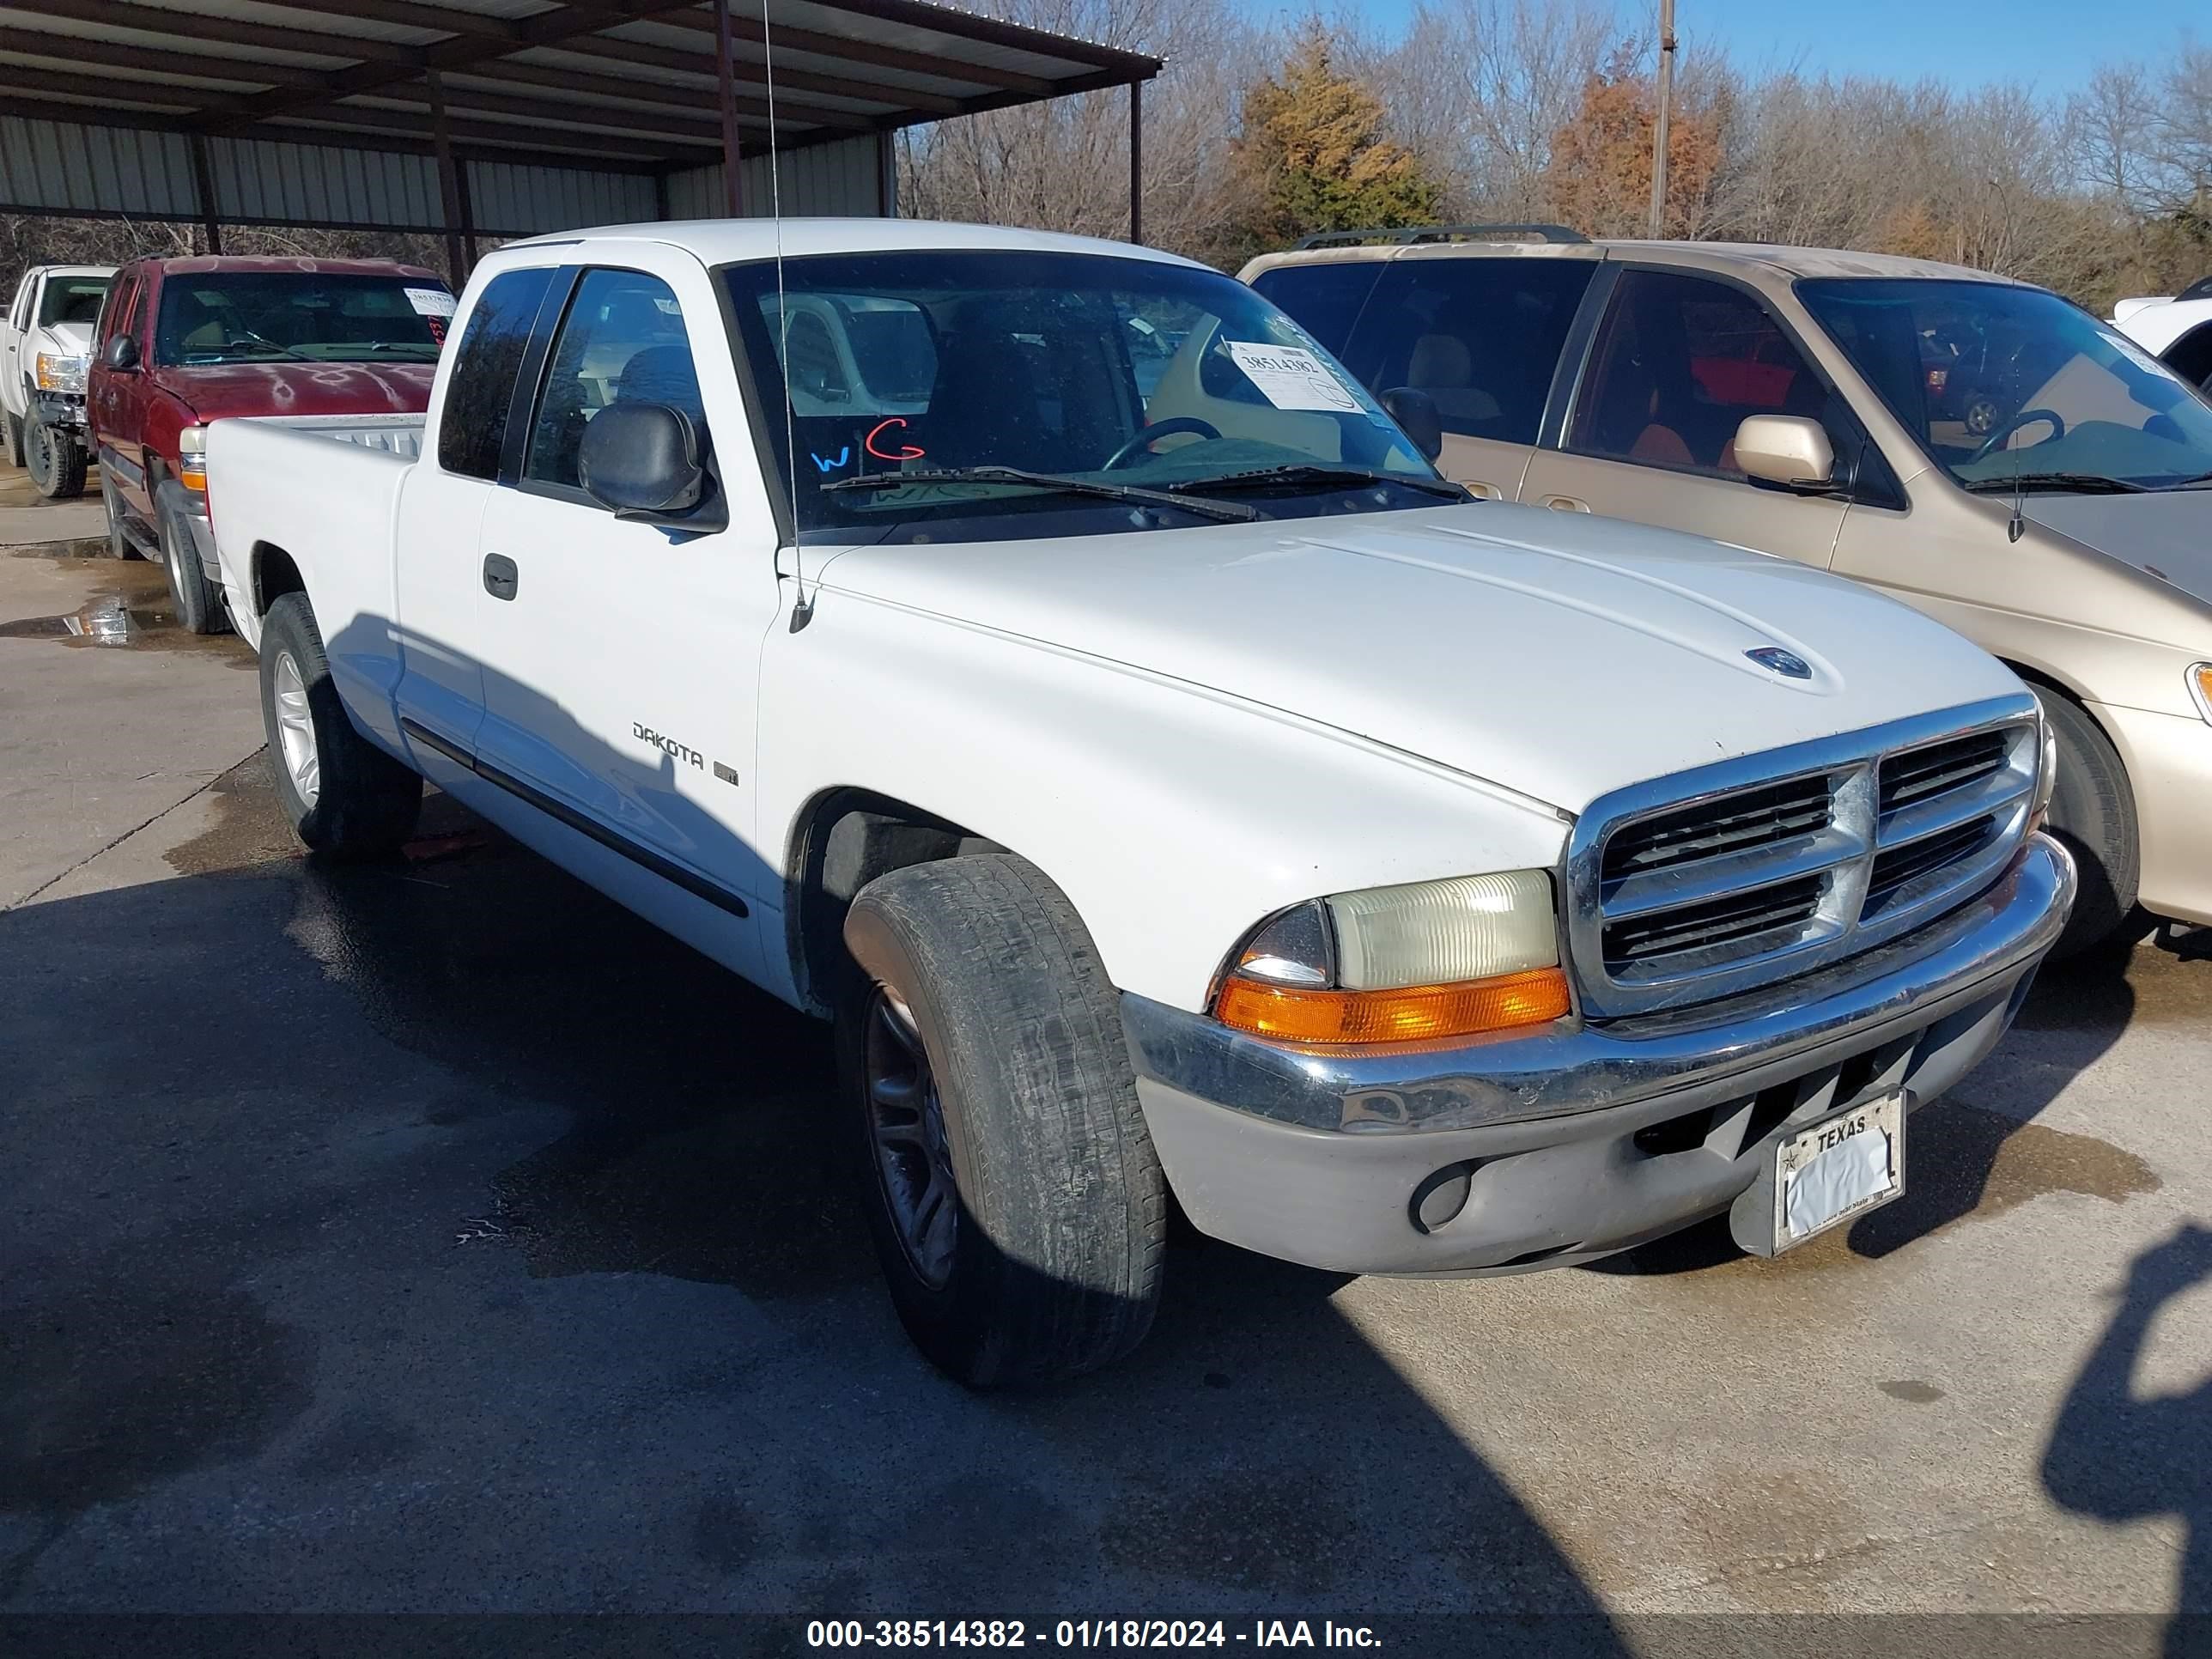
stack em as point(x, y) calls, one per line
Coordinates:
point(1313, 149)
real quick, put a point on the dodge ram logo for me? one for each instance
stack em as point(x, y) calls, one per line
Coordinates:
point(1787, 663)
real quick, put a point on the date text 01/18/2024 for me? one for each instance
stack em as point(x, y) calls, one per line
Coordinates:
point(1084, 1633)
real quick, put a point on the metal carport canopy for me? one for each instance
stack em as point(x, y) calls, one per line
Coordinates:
point(549, 109)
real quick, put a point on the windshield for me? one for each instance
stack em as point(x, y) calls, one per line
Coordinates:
point(1997, 381)
point(1146, 383)
point(276, 316)
point(72, 300)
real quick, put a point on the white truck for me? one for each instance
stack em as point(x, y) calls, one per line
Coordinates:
point(46, 342)
point(2176, 328)
point(1176, 791)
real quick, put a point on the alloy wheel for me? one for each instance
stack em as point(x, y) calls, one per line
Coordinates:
point(906, 1133)
point(295, 730)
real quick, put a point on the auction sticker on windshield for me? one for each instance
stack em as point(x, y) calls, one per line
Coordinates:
point(430, 301)
point(1838, 1169)
point(1291, 377)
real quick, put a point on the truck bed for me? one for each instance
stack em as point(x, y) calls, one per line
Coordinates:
point(320, 490)
point(396, 434)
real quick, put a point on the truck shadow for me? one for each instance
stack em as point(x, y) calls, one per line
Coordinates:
point(437, 1235)
point(1965, 1157)
point(2117, 1456)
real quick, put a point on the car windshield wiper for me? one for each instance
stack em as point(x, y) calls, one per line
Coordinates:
point(1299, 473)
point(1228, 511)
point(2202, 481)
point(2081, 483)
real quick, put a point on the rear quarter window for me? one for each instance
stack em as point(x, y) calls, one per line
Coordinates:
point(1324, 299)
point(1482, 336)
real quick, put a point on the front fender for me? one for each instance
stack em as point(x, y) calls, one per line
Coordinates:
point(1173, 817)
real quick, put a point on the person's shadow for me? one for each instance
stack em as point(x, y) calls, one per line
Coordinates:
point(2118, 1456)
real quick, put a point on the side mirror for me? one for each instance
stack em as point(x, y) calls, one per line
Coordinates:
point(121, 353)
point(1417, 416)
point(1789, 450)
point(642, 462)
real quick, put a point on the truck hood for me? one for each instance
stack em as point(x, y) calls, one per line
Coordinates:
point(2168, 534)
point(62, 339)
point(216, 390)
point(1555, 654)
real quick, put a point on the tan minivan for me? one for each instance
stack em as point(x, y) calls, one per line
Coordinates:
point(1980, 448)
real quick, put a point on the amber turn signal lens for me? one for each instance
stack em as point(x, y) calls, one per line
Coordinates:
point(1415, 1014)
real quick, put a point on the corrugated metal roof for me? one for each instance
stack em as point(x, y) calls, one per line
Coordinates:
point(518, 70)
point(323, 111)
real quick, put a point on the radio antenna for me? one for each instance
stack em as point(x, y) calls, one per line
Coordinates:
point(802, 608)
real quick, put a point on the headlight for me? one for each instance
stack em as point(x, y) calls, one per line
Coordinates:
point(191, 457)
point(2047, 770)
point(1401, 965)
point(59, 373)
point(2200, 687)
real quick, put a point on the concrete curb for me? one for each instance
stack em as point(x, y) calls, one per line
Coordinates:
point(82, 547)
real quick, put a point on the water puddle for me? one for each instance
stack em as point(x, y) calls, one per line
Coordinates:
point(103, 621)
point(132, 609)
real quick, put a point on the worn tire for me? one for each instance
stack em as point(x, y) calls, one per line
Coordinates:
point(2093, 811)
point(199, 601)
point(1062, 1210)
point(366, 802)
point(55, 461)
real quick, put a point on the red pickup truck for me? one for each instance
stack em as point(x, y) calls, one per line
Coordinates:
point(184, 342)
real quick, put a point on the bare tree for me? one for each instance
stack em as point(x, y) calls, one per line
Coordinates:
point(2113, 128)
point(2184, 129)
point(1063, 165)
point(1482, 89)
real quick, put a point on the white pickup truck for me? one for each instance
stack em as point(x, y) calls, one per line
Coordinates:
point(1171, 789)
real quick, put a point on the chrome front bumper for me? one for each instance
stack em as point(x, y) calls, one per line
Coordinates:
point(1582, 1140)
point(63, 411)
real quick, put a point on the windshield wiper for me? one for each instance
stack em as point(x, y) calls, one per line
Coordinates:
point(2202, 481)
point(2083, 483)
point(1303, 472)
point(1227, 511)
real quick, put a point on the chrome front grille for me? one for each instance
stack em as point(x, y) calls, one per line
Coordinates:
point(1716, 880)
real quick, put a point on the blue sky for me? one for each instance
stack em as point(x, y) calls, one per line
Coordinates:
point(2053, 43)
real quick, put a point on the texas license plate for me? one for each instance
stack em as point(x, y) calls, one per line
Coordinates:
point(1838, 1169)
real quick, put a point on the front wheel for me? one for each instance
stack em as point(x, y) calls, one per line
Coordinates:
point(341, 793)
point(1016, 1202)
point(198, 601)
point(55, 460)
point(2093, 811)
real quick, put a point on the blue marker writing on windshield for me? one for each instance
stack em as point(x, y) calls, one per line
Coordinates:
point(842, 456)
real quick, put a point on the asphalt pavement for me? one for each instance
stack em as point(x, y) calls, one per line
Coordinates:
point(435, 1235)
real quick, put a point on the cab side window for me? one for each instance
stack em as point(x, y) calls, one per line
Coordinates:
point(1482, 336)
point(1678, 363)
point(472, 423)
point(623, 341)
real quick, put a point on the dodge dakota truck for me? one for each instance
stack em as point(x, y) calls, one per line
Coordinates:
point(1175, 791)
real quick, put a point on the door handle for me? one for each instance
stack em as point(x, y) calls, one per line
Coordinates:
point(1566, 504)
point(500, 578)
point(1481, 491)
